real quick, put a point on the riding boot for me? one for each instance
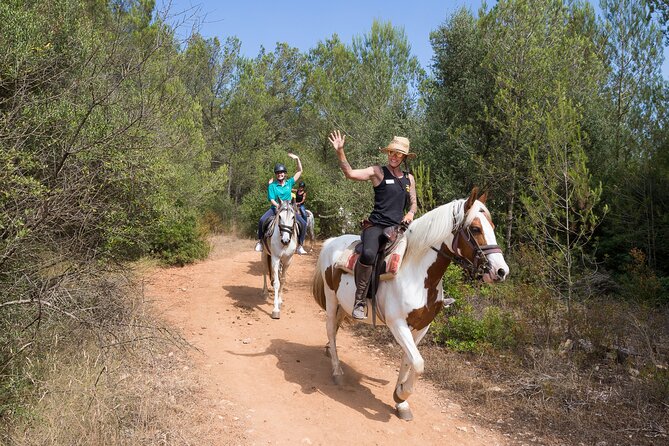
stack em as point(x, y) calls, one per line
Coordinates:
point(362, 274)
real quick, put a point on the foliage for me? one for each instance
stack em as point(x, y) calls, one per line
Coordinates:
point(662, 10)
point(463, 327)
point(178, 240)
point(102, 159)
point(640, 282)
point(560, 214)
point(467, 332)
point(117, 142)
point(424, 189)
point(629, 162)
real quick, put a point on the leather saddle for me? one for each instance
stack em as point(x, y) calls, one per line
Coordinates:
point(388, 258)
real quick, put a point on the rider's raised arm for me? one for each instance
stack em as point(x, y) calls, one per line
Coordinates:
point(373, 173)
point(298, 173)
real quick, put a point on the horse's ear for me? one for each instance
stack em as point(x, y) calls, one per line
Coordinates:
point(483, 197)
point(472, 198)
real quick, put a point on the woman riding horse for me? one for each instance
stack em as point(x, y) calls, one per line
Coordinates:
point(393, 190)
point(460, 232)
point(280, 190)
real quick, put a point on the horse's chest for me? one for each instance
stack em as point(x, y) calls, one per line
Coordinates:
point(423, 316)
point(431, 303)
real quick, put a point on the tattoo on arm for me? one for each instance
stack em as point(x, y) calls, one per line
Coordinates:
point(344, 165)
point(412, 198)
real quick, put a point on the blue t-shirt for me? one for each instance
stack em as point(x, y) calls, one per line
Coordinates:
point(275, 191)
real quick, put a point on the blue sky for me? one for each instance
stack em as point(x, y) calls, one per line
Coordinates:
point(303, 23)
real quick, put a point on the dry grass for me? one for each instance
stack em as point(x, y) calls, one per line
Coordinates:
point(143, 390)
point(565, 394)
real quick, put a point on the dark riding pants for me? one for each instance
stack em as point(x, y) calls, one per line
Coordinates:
point(372, 238)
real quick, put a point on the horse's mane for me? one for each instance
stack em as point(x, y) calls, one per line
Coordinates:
point(284, 205)
point(434, 227)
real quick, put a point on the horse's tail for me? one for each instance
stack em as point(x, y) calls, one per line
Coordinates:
point(318, 284)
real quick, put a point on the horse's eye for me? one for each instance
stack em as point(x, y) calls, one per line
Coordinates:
point(475, 230)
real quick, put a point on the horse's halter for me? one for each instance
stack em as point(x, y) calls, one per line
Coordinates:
point(480, 265)
point(286, 228)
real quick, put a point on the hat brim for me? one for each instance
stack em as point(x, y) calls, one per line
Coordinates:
point(409, 155)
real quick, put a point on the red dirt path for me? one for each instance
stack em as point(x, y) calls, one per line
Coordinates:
point(272, 378)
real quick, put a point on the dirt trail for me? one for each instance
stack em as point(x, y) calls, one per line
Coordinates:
point(272, 378)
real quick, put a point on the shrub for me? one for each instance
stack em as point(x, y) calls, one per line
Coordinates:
point(178, 240)
point(640, 283)
point(461, 332)
point(220, 214)
point(463, 327)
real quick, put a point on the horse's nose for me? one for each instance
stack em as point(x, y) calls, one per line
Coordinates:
point(501, 273)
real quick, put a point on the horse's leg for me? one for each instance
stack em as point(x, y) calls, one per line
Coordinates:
point(411, 368)
point(332, 326)
point(312, 236)
point(265, 259)
point(276, 265)
point(407, 376)
point(282, 278)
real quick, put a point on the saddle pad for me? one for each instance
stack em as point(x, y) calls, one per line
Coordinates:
point(268, 227)
point(348, 257)
point(393, 259)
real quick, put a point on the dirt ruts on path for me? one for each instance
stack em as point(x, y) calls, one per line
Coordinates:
point(271, 377)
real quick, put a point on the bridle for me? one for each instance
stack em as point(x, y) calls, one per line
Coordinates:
point(480, 265)
point(288, 229)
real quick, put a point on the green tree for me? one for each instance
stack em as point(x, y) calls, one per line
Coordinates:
point(661, 8)
point(561, 205)
point(456, 97)
point(494, 77)
point(628, 158)
point(101, 156)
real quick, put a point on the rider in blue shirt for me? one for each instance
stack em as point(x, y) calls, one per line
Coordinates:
point(281, 189)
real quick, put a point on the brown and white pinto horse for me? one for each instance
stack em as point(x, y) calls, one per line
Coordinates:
point(460, 231)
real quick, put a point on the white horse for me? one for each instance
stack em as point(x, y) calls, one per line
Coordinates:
point(460, 231)
point(278, 252)
point(310, 229)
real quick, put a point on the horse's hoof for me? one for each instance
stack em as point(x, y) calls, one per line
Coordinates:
point(338, 379)
point(404, 414)
point(276, 315)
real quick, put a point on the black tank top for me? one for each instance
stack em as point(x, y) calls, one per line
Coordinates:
point(390, 199)
point(299, 196)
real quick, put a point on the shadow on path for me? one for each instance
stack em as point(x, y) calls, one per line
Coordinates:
point(247, 297)
point(309, 367)
point(256, 268)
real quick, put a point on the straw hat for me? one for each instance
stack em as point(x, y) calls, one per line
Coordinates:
point(399, 144)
